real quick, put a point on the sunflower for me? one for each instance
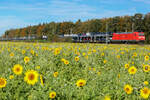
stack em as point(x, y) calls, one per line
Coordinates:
point(37, 67)
point(134, 54)
point(66, 62)
point(102, 54)
point(9, 49)
point(118, 56)
point(87, 57)
point(107, 98)
point(78, 53)
point(62, 59)
point(99, 73)
point(146, 58)
point(83, 53)
point(36, 54)
point(32, 52)
point(2, 82)
point(145, 92)
point(126, 66)
point(52, 95)
point(94, 69)
point(23, 52)
point(132, 70)
point(55, 74)
point(31, 77)
point(104, 61)
point(11, 77)
point(89, 53)
point(90, 68)
point(122, 52)
point(146, 68)
point(57, 51)
point(128, 89)
point(26, 59)
point(17, 69)
point(41, 79)
point(146, 82)
point(94, 50)
point(118, 75)
point(80, 83)
point(76, 58)
point(11, 54)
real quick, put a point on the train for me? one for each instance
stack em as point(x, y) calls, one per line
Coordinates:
point(109, 37)
point(94, 37)
point(44, 37)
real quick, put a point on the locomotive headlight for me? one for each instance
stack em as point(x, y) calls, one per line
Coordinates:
point(141, 37)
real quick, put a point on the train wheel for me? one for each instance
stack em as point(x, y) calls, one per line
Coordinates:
point(140, 42)
point(126, 42)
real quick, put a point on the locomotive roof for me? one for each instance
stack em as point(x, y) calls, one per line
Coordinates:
point(126, 32)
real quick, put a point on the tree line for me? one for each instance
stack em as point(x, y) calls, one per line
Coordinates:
point(137, 22)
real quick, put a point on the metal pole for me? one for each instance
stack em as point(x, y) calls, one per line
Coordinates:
point(106, 33)
point(71, 31)
point(132, 27)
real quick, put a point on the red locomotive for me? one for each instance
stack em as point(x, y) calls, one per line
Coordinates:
point(128, 37)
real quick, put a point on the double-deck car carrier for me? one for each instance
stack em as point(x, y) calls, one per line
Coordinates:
point(101, 37)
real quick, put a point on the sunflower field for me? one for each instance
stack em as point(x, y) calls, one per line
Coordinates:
point(70, 71)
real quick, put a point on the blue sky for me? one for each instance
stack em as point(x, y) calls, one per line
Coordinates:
point(21, 13)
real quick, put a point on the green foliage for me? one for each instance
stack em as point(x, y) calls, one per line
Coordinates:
point(138, 22)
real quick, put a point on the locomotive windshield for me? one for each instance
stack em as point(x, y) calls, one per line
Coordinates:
point(75, 38)
point(141, 34)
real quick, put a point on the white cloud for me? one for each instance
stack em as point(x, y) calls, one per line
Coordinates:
point(55, 10)
point(61, 8)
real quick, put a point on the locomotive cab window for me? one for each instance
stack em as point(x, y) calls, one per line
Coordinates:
point(141, 34)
